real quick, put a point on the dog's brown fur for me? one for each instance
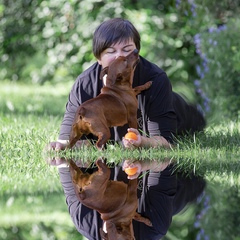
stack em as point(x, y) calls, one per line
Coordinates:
point(114, 200)
point(116, 105)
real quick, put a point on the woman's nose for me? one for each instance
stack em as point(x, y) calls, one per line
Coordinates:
point(120, 54)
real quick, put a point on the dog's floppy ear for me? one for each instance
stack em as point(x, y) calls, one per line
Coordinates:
point(103, 234)
point(111, 230)
point(74, 170)
point(110, 80)
point(103, 72)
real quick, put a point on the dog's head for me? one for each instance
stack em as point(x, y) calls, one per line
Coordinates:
point(79, 126)
point(118, 231)
point(121, 70)
point(86, 184)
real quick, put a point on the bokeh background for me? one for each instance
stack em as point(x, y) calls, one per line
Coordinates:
point(45, 45)
point(195, 42)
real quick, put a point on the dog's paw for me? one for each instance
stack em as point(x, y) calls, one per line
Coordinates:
point(148, 84)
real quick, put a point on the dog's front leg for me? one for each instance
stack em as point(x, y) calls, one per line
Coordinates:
point(139, 218)
point(75, 135)
point(143, 87)
point(103, 137)
point(132, 122)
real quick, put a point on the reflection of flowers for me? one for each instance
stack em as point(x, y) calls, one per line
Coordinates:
point(204, 67)
point(197, 224)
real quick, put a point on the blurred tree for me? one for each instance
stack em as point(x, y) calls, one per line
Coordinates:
point(17, 29)
point(219, 71)
point(51, 40)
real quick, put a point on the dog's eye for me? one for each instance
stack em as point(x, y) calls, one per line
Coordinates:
point(119, 78)
point(119, 228)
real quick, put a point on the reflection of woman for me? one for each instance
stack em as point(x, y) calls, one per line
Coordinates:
point(161, 114)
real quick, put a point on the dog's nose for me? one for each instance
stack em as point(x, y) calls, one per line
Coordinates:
point(135, 51)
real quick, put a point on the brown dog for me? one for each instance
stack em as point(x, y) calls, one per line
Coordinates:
point(114, 200)
point(116, 105)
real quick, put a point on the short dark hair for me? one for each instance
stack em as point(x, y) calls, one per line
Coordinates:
point(113, 31)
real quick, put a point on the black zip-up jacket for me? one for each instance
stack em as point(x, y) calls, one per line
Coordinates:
point(156, 115)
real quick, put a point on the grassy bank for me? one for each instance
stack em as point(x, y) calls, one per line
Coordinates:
point(33, 204)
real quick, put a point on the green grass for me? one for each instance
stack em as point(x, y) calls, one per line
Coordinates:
point(215, 150)
point(30, 191)
point(32, 201)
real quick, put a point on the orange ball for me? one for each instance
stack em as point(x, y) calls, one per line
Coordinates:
point(131, 136)
point(131, 171)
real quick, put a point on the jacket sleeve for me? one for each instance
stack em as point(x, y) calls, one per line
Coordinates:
point(161, 117)
point(157, 203)
point(86, 221)
point(86, 86)
point(71, 108)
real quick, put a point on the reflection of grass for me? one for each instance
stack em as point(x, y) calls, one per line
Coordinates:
point(33, 208)
point(30, 189)
point(35, 216)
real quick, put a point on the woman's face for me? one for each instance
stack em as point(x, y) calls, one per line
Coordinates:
point(116, 50)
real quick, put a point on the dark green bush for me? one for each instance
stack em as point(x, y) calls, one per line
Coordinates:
point(39, 231)
point(219, 217)
point(219, 71)
point(50, 41)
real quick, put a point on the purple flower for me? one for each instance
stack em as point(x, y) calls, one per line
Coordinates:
point(222, 28)
point(198, 68)
point(178, 2)
point(197, 83)
point(197, 39)
point(197, 224)
point(217, 29)
point(211, 29)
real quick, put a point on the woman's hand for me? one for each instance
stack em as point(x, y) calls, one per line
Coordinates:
point(145, 142)
point(60, 145)
point(62, 162)
point(131, 164)
point(153, 165)
point(57, 146)
point(131, 143)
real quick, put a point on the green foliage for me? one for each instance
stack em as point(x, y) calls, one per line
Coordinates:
point(220, 71)
point(35, 217)
point(24, 100)
point(39, 231)
point(182, 226)
point(220, 216)
point(50, 41)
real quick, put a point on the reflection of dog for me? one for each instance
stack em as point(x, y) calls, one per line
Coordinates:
point(114, 200)
point(116, 105)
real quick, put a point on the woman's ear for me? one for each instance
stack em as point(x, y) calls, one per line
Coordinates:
point(99, 61)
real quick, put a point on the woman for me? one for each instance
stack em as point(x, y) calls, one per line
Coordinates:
point(161, 115)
